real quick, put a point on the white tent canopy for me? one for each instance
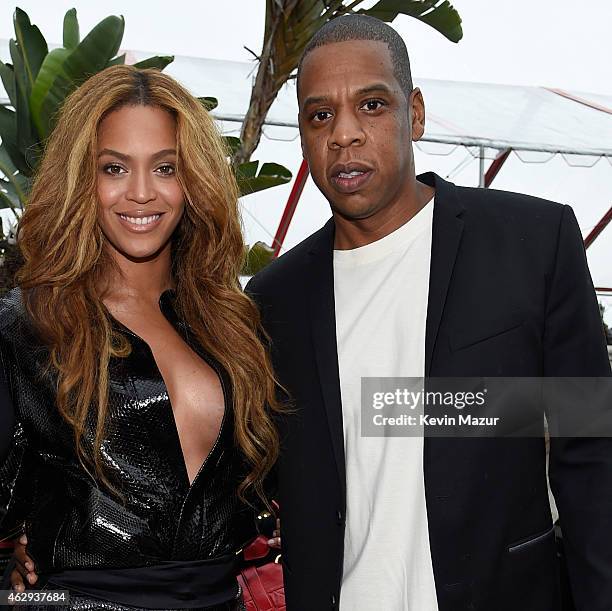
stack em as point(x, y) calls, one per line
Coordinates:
point(538, 124)
point(458, 113)
point(473, 114)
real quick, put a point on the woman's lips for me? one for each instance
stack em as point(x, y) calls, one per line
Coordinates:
point(350, 182)
point(140, 224)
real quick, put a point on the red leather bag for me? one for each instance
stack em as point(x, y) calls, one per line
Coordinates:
point(262, 584)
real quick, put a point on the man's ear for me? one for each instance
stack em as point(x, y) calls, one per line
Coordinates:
point(416, 105)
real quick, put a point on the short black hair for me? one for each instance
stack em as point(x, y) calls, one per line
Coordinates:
point(364, 27)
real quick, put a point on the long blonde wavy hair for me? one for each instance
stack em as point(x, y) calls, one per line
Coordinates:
point(66, 263)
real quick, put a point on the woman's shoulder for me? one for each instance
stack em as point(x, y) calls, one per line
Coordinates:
point(16, 330)
point(12, 310)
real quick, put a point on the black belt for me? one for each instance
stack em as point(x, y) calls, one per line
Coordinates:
point(167, 585)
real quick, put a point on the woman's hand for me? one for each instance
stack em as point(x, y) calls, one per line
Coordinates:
point(275, 542)
point(24, 566)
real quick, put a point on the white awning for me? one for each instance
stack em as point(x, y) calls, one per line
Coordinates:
point(458, 113)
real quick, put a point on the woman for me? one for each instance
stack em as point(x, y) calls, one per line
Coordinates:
point(132, 357)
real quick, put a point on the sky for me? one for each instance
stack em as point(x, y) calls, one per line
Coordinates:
point(554, 43)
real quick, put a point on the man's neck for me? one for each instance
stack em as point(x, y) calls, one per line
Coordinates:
point(353, 233)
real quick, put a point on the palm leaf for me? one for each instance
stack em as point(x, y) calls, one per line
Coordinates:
point(441, 16)
point(270, 175)
point(71, 29)
point(26, 138)
point(32, 45)
point(256, 258)
point(209, 103)
point(8, 169)
point(158, 61)
point(8, 80)
point(95, 50)
point(7, 202)
point(47, 92)
point(117, 61)
point(69, 68)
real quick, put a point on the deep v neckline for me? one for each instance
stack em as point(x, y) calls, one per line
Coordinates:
point(201, 354)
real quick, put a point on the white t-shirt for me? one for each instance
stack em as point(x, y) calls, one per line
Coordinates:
point(381, 292)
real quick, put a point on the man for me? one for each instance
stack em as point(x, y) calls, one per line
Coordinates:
point(417, 277)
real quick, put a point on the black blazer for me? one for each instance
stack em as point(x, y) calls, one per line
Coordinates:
point(510, 295)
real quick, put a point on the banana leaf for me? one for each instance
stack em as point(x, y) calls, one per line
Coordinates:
point(32, 45)
point(117, 61)
point(232, 143)
point(71, 29)
point(9, 170)
point(270, 175)
point(26, 136)
point(209, 103)
point(441, 16)
point(50, 90)
point(256, 258)
point(157, 61)
point(69, 68)
point(8, 80)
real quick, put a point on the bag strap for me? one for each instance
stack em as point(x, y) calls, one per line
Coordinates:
point(256, 589)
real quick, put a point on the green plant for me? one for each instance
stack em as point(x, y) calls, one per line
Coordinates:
point(37, 83)
point(290, 24)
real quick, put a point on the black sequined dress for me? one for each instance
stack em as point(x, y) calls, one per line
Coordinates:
point(143, 548)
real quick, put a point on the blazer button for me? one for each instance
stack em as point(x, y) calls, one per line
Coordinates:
point(333, 601)
point(339, 518)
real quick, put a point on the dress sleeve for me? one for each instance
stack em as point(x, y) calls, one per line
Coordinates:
point(13, 456)
point(7, 419)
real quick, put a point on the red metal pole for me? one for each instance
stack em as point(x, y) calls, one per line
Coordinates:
point(605, 220)
point(290, 206)
point(496, 166)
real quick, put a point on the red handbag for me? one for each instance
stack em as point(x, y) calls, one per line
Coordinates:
point(262, 584)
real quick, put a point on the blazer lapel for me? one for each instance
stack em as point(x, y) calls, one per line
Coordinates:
point(323, 322)
point(446, 237)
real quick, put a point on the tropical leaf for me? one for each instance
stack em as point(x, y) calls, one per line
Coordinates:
point(8, 80)
point(71, 29)
point(157, 61)
point(26, 136)
point(232, 143)
point(47, 92)
point(117, 61)
point(8, 169)
point(8, 190)
point(441, 16)
point(256, 258)
point(97, 48)
point(69, 68)
point(289, 26)
point(8, 126)
point(16, 157)
point(209, 103)
point(7, 202)
point(32, 45)
point(247, 170)
point(270, 175)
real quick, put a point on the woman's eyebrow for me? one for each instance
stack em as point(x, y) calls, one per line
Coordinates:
point(113, 153)
point(125, 157)
point(164, 153)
